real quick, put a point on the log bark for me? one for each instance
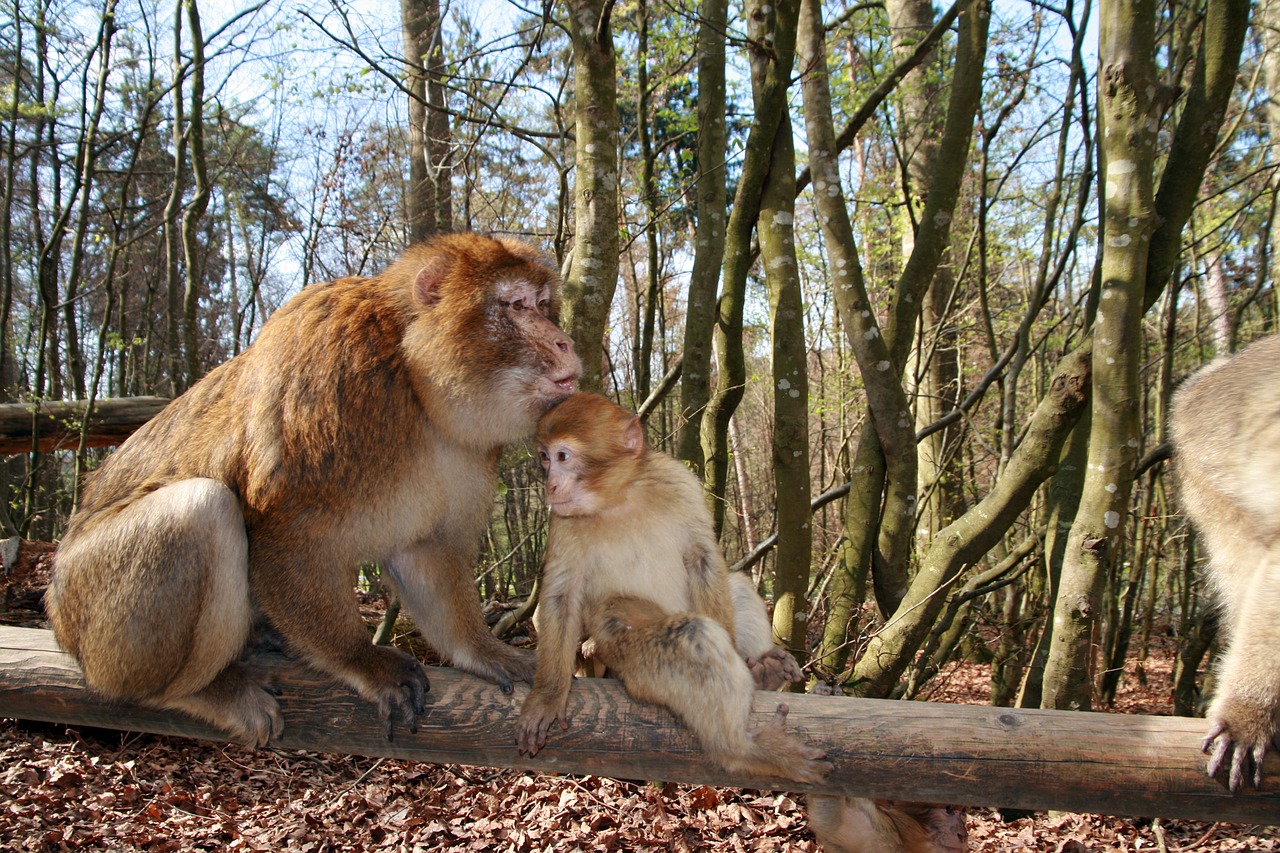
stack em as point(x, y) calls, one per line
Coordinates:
point(58, 424)
point(920, 751)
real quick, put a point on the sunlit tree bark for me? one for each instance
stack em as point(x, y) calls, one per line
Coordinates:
point(709, 235)
point(429, 195)
point(776, 229)
point(593, 272)
point(772, 31)
point(1130, 103)
point(193, 268)
point(1142, 237)
point(885, 395)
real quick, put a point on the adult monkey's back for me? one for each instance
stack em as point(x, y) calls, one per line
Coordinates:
point(365, 423)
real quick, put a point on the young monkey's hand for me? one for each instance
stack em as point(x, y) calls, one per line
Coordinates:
point(536, 718)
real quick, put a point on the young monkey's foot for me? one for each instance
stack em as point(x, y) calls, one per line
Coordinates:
point(537, 716)
point(796, 759)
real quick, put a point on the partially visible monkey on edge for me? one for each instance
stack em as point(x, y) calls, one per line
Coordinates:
point(1225, 427)
point(365, 423)
point(632, 564)
point(855, 825)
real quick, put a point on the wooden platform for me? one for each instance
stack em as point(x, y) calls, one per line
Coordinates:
point(961, 754)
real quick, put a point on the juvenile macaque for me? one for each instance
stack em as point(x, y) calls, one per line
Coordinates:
point(1225, 427)
point(855, 825)
point(364, 424)
point(632, 564)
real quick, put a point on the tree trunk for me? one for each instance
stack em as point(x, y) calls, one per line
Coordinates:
point(775, 228)
point(932, 369)
point(772, 33)
point(193, 265)
point(419, 203)
point(709, 234)
point(172, 219)
point(593, 272)
point(963, 542)
point(895, 449)
point(648, 186)
point(1130, 102)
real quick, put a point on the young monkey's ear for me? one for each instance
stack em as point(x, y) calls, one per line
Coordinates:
point(633, 435)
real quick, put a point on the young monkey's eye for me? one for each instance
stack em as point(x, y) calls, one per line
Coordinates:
point(562, 456)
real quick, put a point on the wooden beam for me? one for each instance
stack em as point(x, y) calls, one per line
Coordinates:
point(961, 754)
point(113, 421)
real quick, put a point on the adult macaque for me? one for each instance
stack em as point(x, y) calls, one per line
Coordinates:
point(1225, 427)
point(364, 424)
point(855, 825)
point(633, 565)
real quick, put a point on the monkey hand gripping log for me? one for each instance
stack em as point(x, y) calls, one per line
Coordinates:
point(365, 423)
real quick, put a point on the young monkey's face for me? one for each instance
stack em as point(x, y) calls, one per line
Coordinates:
point(571, 488)
point(590, 450)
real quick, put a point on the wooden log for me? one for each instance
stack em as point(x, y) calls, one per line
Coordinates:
point(961, 754)
point(113, 421)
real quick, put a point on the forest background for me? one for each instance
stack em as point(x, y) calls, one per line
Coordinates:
point(910, 287)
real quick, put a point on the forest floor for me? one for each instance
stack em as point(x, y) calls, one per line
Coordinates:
point(87, 789)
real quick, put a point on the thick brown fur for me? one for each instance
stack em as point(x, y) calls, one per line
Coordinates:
point(633, 565)
point(1225, 427)
point(365, 423)
point(854, 825)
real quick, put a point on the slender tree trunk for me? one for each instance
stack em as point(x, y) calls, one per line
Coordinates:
point(891, 561)
point(932, 367)
point(895, 450)
point(649, 186)
point(172, 218)
point(1130, 103)
point(192, 259)
point(1215, 291)
point(593, 272)
point(772, 34)
point(709, 235)
point(86, 166)
point(429, 197)
point(1204, 104)
point(775, 228)
point(746, 495)
point(1267, 21)
point(963, 542)
point(419, 201)
point(439, 133)
point(8, 370)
